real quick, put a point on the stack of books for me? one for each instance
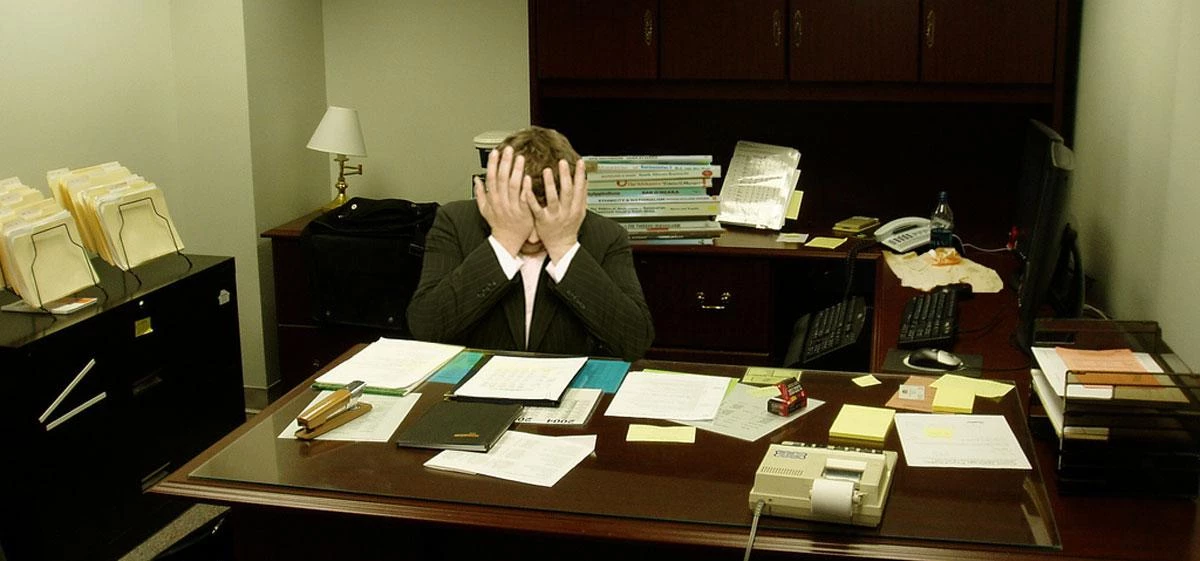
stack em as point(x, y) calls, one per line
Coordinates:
point(121, 217)
point(658, 198)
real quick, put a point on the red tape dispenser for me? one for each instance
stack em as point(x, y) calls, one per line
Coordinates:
point(791, 398)
point(335, 410)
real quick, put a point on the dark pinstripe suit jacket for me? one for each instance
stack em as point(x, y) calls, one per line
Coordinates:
point(464, 298)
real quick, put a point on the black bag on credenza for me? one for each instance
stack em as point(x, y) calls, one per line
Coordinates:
point(364, 261)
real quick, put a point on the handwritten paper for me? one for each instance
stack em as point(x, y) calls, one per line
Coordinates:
point(522, 457)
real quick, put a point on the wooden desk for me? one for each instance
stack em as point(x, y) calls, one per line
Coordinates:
point(373, 501)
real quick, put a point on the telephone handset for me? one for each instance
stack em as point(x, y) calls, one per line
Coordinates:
point(904, 234)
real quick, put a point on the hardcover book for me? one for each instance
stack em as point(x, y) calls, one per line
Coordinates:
point(460, 425)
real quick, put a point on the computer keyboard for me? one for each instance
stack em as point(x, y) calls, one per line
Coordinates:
point(930, 319)
point(833, 328)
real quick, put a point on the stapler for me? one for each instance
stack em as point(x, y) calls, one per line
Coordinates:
point(335, 410)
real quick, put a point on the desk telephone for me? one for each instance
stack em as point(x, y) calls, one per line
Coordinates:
point(904, 234)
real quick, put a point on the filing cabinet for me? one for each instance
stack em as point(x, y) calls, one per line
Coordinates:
point(102, 403)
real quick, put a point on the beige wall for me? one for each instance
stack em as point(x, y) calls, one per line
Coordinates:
point(426, 76)
point(285, 74)
point(1136, 188)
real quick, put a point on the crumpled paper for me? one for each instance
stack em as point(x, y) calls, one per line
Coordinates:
point(932, 269)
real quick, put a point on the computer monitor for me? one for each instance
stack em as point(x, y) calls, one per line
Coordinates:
point(1042, 240)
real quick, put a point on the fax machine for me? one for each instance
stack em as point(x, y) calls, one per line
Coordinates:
point(826, 483)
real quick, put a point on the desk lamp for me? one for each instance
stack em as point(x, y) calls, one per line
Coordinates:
point(340, 134)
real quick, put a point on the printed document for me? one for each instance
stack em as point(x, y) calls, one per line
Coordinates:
point(959, 441)
point(574, 409)
point(390, 364)
point(522, 378)
point(743, 415)
point(669, 396)
point(522, 457)
point(387, 412)
point(758, 185)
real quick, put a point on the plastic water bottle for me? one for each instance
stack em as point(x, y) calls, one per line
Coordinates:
point(941, 223)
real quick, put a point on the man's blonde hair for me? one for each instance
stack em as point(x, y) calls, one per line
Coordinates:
point(542, 148)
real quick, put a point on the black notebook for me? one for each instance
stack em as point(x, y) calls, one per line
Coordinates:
point(458, 425)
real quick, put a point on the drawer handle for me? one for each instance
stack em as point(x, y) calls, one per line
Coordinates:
point(80, 409)
point(155, 476)
point(704, 305)
point(70, 386)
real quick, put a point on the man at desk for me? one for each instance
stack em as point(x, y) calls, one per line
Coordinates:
point(577, 292)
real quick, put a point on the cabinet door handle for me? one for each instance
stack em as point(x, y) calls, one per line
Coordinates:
point(702, 301)
point(70, 386)
point(777, 27)
point(647, 27)
point(155, 476)
point(930, 28)
point(80, 409)
point(797, 28)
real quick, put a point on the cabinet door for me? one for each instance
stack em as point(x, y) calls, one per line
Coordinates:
point(1010, 41)
point(718, 39)
point(854, 40)
point(596, 39)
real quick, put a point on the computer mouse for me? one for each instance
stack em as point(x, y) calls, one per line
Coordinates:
point(933, 359)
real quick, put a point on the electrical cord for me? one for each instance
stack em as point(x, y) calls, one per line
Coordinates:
point(758, 508)
point(977, 248)
point(851, 258)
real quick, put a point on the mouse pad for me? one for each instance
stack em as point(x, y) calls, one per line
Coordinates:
point(894, 364)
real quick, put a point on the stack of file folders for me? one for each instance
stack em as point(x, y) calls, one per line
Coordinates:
point(41, 254)
point(122, 217)
point(1129, 432)
point(658, 198)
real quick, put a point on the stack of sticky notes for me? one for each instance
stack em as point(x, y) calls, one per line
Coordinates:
point(123, 218)
point(956, 394)
point(862, 423)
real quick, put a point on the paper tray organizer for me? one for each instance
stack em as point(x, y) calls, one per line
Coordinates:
point(1134, 433)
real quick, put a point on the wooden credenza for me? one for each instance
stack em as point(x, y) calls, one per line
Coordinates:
point(730, 303)
point(165, 382)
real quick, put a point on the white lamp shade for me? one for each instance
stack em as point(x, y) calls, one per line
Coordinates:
point(339, 133)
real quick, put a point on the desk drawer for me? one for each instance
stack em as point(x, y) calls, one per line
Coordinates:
point(714, 304)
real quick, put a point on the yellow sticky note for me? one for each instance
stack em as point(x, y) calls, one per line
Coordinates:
point(653, 433)
point(858, 422)
point(981, 388)
point(953, 399)
point(825, 242)
point(866, 381)
point(762, 375)
point(793, 209)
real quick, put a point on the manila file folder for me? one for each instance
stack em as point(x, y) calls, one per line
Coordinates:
point(139, 227)
point(49, 260)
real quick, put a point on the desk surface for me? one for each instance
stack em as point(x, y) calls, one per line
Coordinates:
point(693, 496)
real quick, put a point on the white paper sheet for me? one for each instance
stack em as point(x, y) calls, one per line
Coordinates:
point(522, 378)
point(386, 414)
point(391, 364)
point(575, 408)
point(959, 441)
point(522, 457)
point(743, 415)
point(673, 397)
